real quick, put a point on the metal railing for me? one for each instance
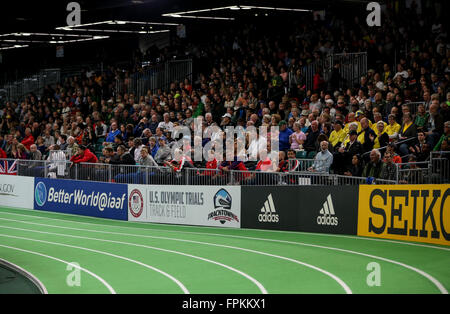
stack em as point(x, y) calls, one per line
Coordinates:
point(18, 90)
point(159, 76)
point(440, 167)
point(352, 67)
point(138, 174)
point(414, 173)
point(434, 171)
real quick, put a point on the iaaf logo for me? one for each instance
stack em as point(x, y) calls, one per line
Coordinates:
point(222, 205)
point(268, 211)
point(327, 213)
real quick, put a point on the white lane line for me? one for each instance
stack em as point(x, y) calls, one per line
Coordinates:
point(439, 286)
point(253, 280)
point(35, 280)
point(399, 242)
point(183, 288)
point(111, 290)
point(332, 276)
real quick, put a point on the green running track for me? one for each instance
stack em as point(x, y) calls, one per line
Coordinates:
point(127, 257)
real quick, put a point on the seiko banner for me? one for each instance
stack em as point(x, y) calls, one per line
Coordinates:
point(187, 205)
point(419, 213)
point(81, 198)
point(301, 208)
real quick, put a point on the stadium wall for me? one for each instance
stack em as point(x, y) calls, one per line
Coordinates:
point(418, 213)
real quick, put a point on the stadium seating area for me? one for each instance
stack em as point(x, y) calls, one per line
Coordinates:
point(396, 113)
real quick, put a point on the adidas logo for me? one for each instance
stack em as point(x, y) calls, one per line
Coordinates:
point(327, 213)
point(268, 211)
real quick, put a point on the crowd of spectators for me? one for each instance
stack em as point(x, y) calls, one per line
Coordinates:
point(359, 130)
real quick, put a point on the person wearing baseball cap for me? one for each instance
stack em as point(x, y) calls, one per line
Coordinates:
point(284, 135)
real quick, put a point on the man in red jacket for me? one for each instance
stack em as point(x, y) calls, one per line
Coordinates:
point(83, 155)
point(84, 172)
point(28, 139)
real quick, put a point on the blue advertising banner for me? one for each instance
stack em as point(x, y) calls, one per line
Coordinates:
point(104, 200)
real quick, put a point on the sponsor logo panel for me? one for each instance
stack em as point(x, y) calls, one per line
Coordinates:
point(419, 213)
point(16, 191)
point(190, 205)
point(81, 198)
point(301, 208)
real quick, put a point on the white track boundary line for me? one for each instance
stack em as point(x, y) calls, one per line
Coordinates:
point(26, 273)
point(257, 283)
point(176, 281)
point(399, 242)
point(440, 287)
point(111, 290)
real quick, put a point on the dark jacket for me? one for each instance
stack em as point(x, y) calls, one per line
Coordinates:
point(373, 170)
point(409, 132)
point(125, 159)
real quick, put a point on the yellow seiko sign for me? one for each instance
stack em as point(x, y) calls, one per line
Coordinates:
point(419, 213)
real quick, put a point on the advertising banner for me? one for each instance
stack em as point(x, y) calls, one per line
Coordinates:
point(419, 213)
point(187, 205)
point(301, 208)
point(16, 191)
point(95, 199)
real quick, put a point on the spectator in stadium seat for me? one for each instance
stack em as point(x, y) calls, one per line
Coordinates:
point(338, 135)
point(2, 154)
point(407, 131)
point(124, 157)
point(420, 147)
point(382, 138)
point(163, 153)
point(367, 136)
point(84, 155)
point(389, 171)
point(153, 146)
point(297, 139)
point(112, 134)
point(284, 136)
point(323, 159)
point(108, 155)
point(393, 128)
point(356, 168)
point(375, 166)
point(435, 124)
point(62, 142)
point(145, 159)
point(312, 134)
point(395, 157)
point(135, 150)
point(28, 140)
point(72, 146)
point(34, 154)
point(444, 137)
point(343, 157)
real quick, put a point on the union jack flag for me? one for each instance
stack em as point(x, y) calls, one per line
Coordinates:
point(8, 167)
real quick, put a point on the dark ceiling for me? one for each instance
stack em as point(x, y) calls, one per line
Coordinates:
point(44, 15)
